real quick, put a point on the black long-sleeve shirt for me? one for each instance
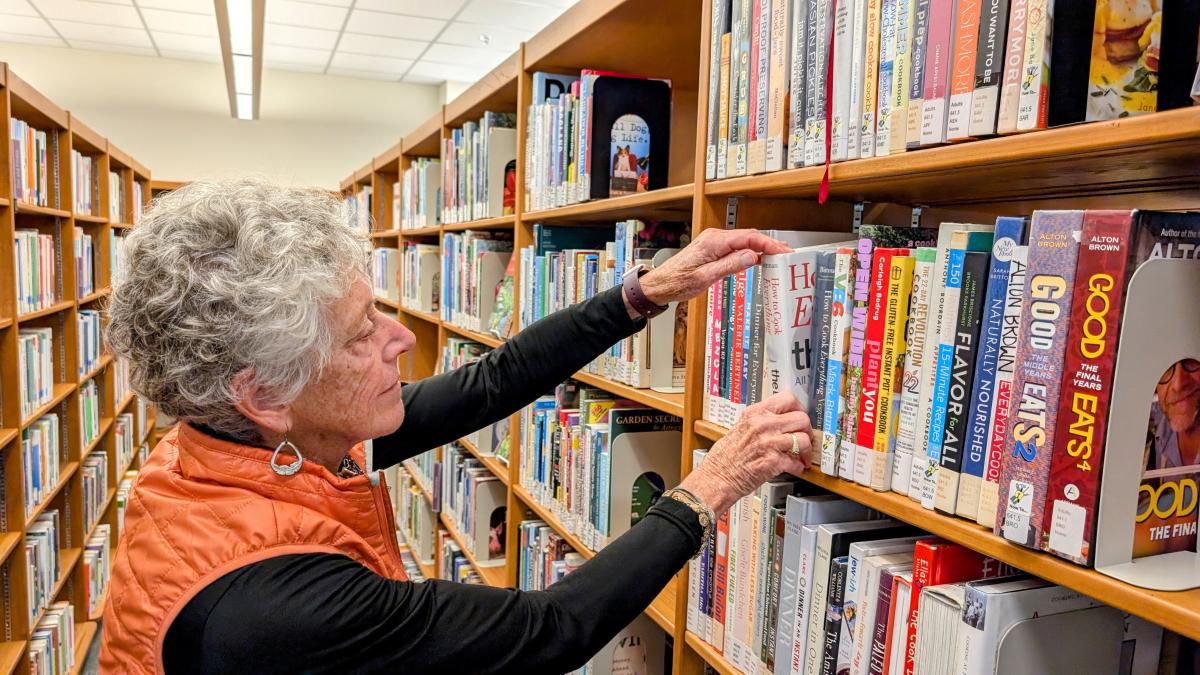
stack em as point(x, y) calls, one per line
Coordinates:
point(325, 612)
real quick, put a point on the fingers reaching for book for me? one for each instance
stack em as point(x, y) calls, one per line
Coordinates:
point(713, 255)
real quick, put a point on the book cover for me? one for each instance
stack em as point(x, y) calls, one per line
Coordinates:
point(989, 67)
point(1070, 51)
point(856, 63)
point(777, 97)
point(630, 150)
point(789, 296)
point(718, 27)
point(891, 369)
point(1053, 248)
point(865, 559)
point(938, 52)
point(1006, 365)
point(962, 69)
point(910, 381)
point(887, 77)
point(916, 89)
point(826, 264)
point(738, 57)
point(871, 355)
point(737, 325)
point(720, 582)
point(797, 110)
point(905, 18)
point(870, 96)
point(1125, 52)
point(771, 609)
point(1035, 70)
point(1014, 63)
point(962, 375)
point(1009, 235)
point(839, 342)
point(859, 291)
point(830, 663)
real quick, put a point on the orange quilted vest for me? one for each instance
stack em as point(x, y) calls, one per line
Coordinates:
point(203, 507)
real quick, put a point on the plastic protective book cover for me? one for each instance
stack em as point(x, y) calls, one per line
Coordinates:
point(967, 28)
point(835, 384)
point(799, 73)
point(1014, 63)
point(834, 617)
point(898, 124)
point(556, 238)
point(1035, 70)
point(916, 89)
point(905, 429)
point(869, 343)
point(989, 67)
point(629, 116)
point(826, 262)
point(720, 10)
point(1053, 250)
point(938, 52)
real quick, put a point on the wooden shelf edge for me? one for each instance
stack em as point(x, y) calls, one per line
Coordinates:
point(46, 311)
point(671, 404)
point(430, 317)
point(105, 423)
point(710, 655)
point(6, 322)
point(482, 338)
point(668, 198)
point(8, 544)
point(23, 207)
point(108, 500)
point(550, 519)
point(497, 223)
point(425, 491)
point(61, 391)
point(92, 297)
point(65, 476)
point(84, 634)
point(100, 605)
point(100, 366)
point(429, 570)
point(491, 462)
point(7, 435)
point(387, 301)
point(11, 654)
point(67, 558)
point(122, 226)
point(421, 231)
point(493, 575)
point(124, 404)
point(385, 234)
point(88, 218)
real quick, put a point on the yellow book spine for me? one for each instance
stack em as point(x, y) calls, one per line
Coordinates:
point(891, 369)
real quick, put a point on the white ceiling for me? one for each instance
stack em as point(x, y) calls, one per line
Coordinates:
point(418, 41)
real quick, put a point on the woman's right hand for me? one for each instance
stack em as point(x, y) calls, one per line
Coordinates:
point(756, 449)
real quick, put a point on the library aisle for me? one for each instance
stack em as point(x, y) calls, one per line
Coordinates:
point(987, 313)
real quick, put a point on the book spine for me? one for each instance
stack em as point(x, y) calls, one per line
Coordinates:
point(962, 374)
point(753, 586)
point(833, 616)
point(804, 585)
point(937, 72)
point(799, 87)
point(763, 293)
point(876, 665)
point(872, 358)
point(1006, 365)
point(799, 375)
point(887, 77)
point(846, 34)
point(735, 347)
point(910, 399)
point(747, 85)
point(723, 109)
point(871, 90)
point(1071, 498)
point(942, 365)
point(901, 83)
point(821, 30)
point(922, 568)
point(855, 356)
point(757, 147)
point(717, 11)
point(900, 281)
point(835, 391)
point(740, 21)
point(857, 79)
point(771, 616)
point(989, 67)
point(818, 605)
point(747, 325)
point(784, 639)
point(778, 96)
point(756, 41)
point(823, 319)
point(962, 70)
point(733, 594)
point(916, 89)
point(1035, 68)
point(1053, 248)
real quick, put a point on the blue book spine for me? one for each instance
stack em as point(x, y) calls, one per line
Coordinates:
point(747, 320)
point(945, 361)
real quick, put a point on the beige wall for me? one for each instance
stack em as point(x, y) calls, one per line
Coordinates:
point(173, 116)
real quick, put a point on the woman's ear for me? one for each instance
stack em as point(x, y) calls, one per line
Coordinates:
point(256, 404)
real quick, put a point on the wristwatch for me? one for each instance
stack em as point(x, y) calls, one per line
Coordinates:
point(637, 299)
point(706, 516)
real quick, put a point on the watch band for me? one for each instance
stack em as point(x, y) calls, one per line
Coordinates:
point(637, 298)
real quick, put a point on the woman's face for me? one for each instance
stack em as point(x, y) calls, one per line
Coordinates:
point(1179, 394)
point(358, 395)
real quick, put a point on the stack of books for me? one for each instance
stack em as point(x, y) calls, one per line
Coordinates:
point(480, 168)
point(89, 340)
point(30, 172)
point(34, 257)
point(418, 192)
point(142, 419)
point(544, 558)
point(473, 265)
point(85, 263)
point(85, 183)
point(41, 449)
point(97, 562)
point(116, 198)
point(94, 471)
point(52, 644)
point(35, 358)
point(89, 412)
point(384, 262)
point(41, 551)
point(421, 282)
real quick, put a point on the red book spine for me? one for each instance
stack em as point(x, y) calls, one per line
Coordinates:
point(923, 557)
point(735, 346)
point(1078, 448)
point(868, 395)
point(715, 314)
point(940, 562)
point(721, 579)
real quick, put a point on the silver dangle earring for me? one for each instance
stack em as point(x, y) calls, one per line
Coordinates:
point(286, 469)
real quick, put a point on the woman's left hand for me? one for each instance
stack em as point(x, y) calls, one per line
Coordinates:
point(712, 256)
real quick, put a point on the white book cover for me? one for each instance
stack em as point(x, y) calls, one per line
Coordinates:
point(717, 11)
point(905, 15)
point(844, 29)
point(820, 32)
point(835, 404)
point(873, 568)
point(870, 86)
point(910, 384)
point(733, 590)
point(1036, 66)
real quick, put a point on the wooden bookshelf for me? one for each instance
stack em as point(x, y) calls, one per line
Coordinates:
point(552, 520)
point(430, 317)
point(497, 223)
point(84, 634)
point(484, 338)
point(387, 301)
point(711, 656)
point(421, 487)
point(65, 132)
point(491, 462)
point(421, 231)
point(668, 403)
point(670, 203)
point(493, 575)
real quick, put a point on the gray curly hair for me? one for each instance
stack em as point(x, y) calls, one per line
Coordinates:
point(228, 276)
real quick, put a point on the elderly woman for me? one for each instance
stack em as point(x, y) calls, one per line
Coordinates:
point(255, 541)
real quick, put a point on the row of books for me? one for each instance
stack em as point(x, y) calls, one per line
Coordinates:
point(41, 453)
point(415, 517)
point(597, 462)
point(569, 264)
point(420, 276)
point(94, 470)
point(30, 171)
point(121, 390)
point(90, 345)
point(358, 210)
point(473, 265)
point(544, 558)
point(89, 412)
point(454, 566)
point(879, 77)
point(124, 437)
point(814, 583)
point(85, 183)
point(143, 419)
point(35, 368)
point(383, 272)
point(117, 257)
point(418, 195)
point(97, 564)
point(122, 498)
point(968, 366)
point(476, 502)
point(139, 201)
point(478, 166)
point(411, 568)
point(590, 137)
point(41, 552)
point(52, 644)
point(85, 263)
point(116, 198)
point(34, 257)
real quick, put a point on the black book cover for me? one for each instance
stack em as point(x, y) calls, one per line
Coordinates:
point(833, 614)
point(989, 53)
point(966, 348)
point(1177, 53)
point(771, 624)
point(555, 238)
point(1070, 61)
point(613, 97)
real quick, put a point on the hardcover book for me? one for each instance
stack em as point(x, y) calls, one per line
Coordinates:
point(826, 263)
point(777, 101)
point(797, 110)
point(719, 26)
point(880, 261)
point(1035, 70)
point(887, 78)
point(831, 664)
point(870, 95)
point(627, 113)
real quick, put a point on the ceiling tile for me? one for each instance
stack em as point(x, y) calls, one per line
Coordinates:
point(361, 74)
point(510, 14)
point(295, 55)
point(333, 3)
point(561, 4)
point(442, 9)
point(422, 79)
point(178, 42)
point(113, 35)
point(210, 57)
point(180, 22)
point(395, 67)
point(90, 12)
point(26, 25)
point(191, 6)
point(503, 39)
point(49, 40)
point(306, 14)
point(296, 36)
point(443, 71)
point(393, 25)
point(112, 47)
point(465, 56)
point(294, 67)
point(18, 7)
point(357, 43)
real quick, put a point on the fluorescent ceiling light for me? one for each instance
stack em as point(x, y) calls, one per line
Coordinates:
point(243, 74)
point(241, 26)
point(245, 106)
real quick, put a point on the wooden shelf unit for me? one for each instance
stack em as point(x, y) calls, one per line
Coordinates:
point(66, 132)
